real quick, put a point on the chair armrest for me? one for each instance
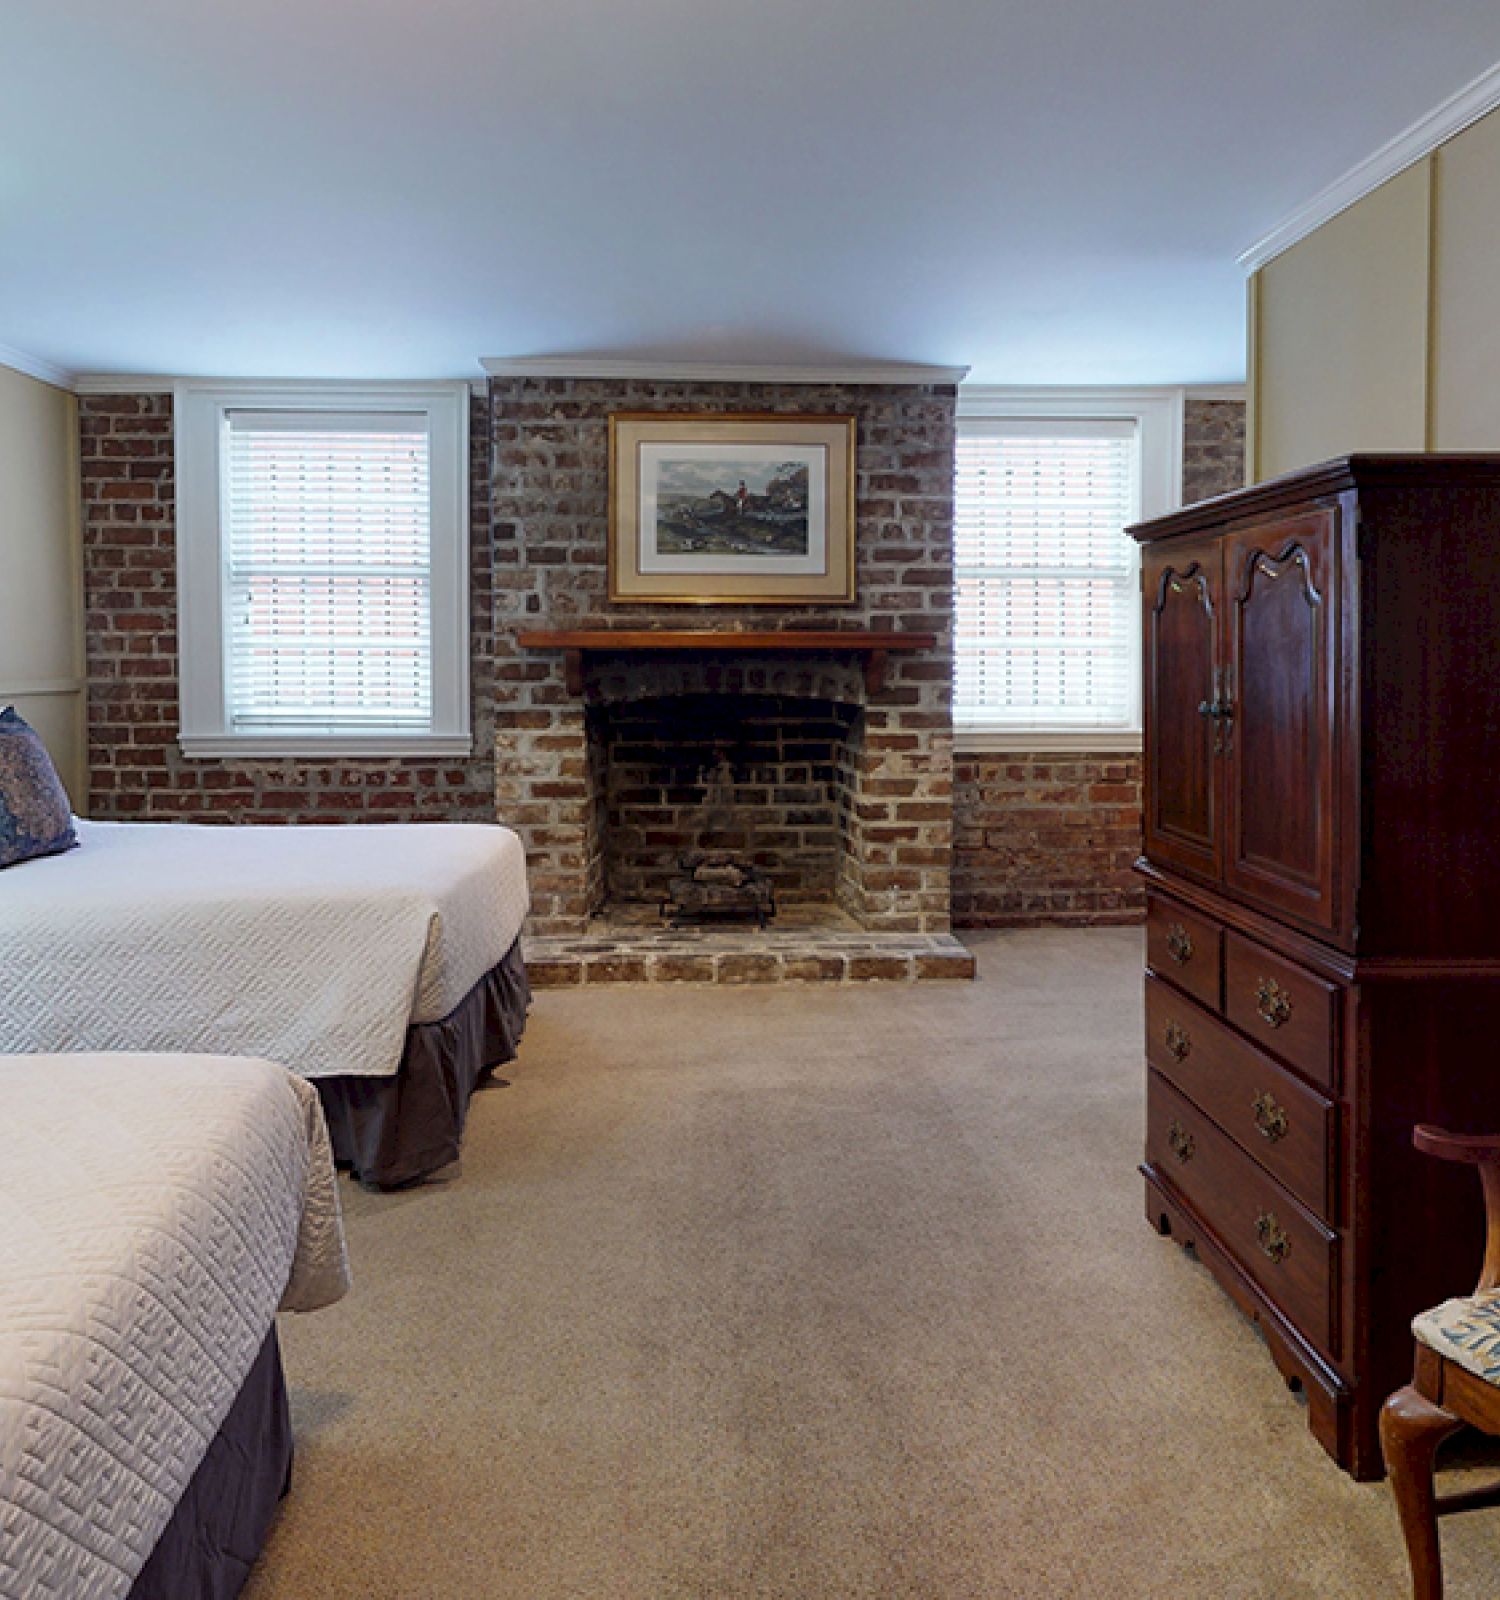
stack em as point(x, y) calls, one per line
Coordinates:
point(1477, 1150)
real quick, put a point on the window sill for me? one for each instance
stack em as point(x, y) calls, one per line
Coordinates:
point(1020, 741)
point(230, 747)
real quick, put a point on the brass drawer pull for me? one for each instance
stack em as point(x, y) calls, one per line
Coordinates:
point(1182, 1142)
point(1179, 944)
point(1273, 1002)
point(1175, 1037)
point(1270, 1118)
point(1272, 1236)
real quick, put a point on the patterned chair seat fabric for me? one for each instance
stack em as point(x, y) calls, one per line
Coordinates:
point(1465, 1331)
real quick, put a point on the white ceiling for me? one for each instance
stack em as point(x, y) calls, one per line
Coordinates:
point(1051, 190)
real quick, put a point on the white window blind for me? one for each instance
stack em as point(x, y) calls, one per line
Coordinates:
point(327, 523)
point(1046, 600)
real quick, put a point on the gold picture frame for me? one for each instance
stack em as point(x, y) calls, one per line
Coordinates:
point(739, 508)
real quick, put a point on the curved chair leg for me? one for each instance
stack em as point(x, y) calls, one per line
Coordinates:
point(1411, 1429)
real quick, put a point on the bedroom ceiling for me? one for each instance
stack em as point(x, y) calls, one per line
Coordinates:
point(395, 188)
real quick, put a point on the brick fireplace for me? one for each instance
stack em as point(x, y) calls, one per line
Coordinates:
point(767, 777)
point(839, 781)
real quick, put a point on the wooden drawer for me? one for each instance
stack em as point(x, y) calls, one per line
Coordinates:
point(1185, 948)
point(1270, 1113)
point(1282, 1247)
point(1282, 1007)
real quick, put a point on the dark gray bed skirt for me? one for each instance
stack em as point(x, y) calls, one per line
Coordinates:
point(221, 1523)
point(397, 1129)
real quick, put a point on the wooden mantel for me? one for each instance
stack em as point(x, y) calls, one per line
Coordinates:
point(875, 645)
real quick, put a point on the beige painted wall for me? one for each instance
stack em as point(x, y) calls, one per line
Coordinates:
point(1466, 290)
point(1381, 330)
point(41, 608)
point(1340, 323)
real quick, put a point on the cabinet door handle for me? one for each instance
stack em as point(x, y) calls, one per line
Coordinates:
point(1176, 1039)
point(1270, 1118)
point(1179, 944)
point(1182, 1142)
point(1273, 1239)
point(1221, 710)
point(1272, 1002)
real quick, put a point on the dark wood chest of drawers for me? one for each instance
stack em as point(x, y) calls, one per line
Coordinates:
point(1322, 850)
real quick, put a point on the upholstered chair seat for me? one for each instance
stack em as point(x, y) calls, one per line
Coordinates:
point(1456, 1381)
point(1465, 1331)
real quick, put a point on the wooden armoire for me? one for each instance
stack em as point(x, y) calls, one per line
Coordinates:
point(1322, 858)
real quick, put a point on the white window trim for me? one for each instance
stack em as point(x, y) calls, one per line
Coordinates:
point(1158, 416)
point(199, 409)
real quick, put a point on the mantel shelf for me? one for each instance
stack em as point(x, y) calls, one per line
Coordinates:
point(875, 645)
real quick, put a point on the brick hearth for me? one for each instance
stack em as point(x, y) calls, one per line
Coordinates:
point(807, 944)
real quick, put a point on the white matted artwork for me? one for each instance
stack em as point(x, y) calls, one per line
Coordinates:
point(731, 509)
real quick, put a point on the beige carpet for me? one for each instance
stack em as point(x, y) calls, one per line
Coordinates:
point(812, 1292)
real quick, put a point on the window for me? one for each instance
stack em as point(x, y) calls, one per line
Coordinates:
point(1047, 629)
point(323, 569)
point(1045, 581)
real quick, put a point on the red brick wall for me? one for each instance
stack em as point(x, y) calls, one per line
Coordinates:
point(1046, 839)
point(130, 589)
point(1037, 838)
point(1213, 448)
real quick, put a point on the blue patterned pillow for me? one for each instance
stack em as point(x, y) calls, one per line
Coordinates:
point(35, 817)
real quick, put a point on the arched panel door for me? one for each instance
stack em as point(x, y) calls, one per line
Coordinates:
point(1182, 594)
point(1282, 810)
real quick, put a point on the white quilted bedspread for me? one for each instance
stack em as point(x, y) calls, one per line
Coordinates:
point(154, 1213)
point(312, 946)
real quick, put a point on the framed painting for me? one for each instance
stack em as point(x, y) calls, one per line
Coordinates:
point(731, 509)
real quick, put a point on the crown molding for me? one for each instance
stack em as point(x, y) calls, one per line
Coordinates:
point(123, 383)
point(157, 383)
point(290, 388)
point(1456, 113)
point(885, 372)
point(1067, 400)
point(1216, 391)
point(34, 367)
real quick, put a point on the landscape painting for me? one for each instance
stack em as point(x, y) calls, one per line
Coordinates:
point(729, 507)
point(724, 509)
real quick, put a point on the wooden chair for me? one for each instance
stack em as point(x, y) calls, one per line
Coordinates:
point(1457, 1380)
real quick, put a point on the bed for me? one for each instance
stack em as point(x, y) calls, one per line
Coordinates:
point(380, 961)
point(155, 1213)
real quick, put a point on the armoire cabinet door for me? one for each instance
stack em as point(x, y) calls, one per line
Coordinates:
point(1281, 591)
point(1181, 591)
